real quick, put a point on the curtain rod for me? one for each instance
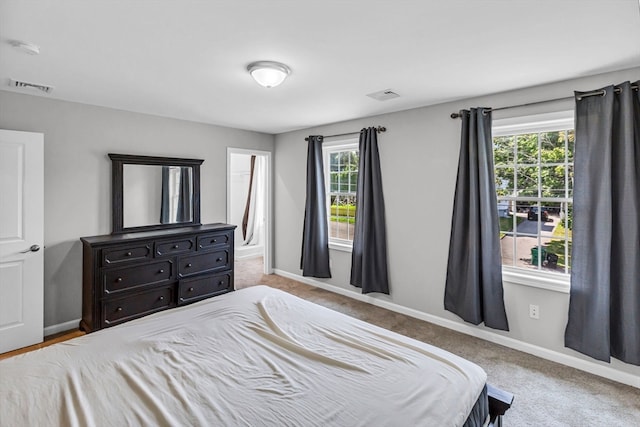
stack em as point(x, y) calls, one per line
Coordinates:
point(566, 98)
point(378, 129)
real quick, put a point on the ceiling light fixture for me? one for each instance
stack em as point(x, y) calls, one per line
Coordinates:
point(268, 73)
point(25, 47)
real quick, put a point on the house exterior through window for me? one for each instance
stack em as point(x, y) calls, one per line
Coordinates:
point(341, 175)
point(533, 160)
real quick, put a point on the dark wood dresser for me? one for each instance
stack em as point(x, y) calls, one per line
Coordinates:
point(126, 276)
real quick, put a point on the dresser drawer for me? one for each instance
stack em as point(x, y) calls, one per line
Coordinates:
point(120, 279)
point(195, 289)
point(174, 247)
point(210, 261)
point(126, 308)
point(214, 240)
point(123, 254)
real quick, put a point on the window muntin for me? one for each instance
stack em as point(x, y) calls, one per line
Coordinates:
point(534, 187)
point(341, 175)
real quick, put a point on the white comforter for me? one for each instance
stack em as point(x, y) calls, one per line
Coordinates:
point(255, 357)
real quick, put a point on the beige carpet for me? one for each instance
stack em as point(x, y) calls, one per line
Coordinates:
point(546, 393)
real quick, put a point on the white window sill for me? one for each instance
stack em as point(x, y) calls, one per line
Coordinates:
point(344, 247)
point(537, 279)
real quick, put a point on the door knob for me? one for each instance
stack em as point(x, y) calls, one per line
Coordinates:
point(33, 248)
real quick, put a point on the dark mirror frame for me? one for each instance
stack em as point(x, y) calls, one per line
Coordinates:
point(117, 190)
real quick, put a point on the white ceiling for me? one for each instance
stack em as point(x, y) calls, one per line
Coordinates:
point(187, 59)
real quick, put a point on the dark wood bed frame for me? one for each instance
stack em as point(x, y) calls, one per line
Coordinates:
point(499, 402)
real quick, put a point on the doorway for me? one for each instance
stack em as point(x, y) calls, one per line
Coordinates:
point(249, 207)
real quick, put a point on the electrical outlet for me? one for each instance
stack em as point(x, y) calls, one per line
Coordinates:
point(534, 311)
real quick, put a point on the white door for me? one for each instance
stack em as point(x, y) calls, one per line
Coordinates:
point(21, 239)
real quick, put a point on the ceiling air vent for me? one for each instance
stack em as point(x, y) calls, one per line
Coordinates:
point(383, 95)
point(26, 85)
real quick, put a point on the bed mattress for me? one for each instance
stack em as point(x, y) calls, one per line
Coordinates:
point(255, 357)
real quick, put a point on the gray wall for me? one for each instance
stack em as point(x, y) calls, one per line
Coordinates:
point(77, 173)
point(419, 157)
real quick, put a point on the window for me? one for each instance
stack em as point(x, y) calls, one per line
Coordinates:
point(174, 192)
point(533, 159)
point(341, 175)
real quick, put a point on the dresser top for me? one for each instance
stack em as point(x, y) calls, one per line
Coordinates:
point(155, 234)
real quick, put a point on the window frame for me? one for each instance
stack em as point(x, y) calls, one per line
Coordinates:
point(328, 148)
point(538, 123)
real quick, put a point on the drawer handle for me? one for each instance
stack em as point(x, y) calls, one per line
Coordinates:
point(161, 271)
point(188, 265)
point(128, 254)
point(190, 289)
point(213, 241)
point(176, 246)
point(119, 309)
point(219, 259)
point(161, 298)
point(221, 282)
point(119, 279)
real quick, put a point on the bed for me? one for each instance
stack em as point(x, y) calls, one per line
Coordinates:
point(254, 357)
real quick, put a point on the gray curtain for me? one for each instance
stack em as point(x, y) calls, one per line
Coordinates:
point(314, 261)
point(604, 308)
point(185, 197)
point(369, 255)
point(185, 200)
point(473, 288)
point(165, 210)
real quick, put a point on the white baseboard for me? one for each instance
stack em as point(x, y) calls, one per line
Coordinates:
point(61, 327)
point(247, 252)
point(544, 353)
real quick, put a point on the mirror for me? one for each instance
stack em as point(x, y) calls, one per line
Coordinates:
point(151, 193)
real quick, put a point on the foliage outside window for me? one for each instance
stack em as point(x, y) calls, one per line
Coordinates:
point(534, 186)
point(341, 173)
